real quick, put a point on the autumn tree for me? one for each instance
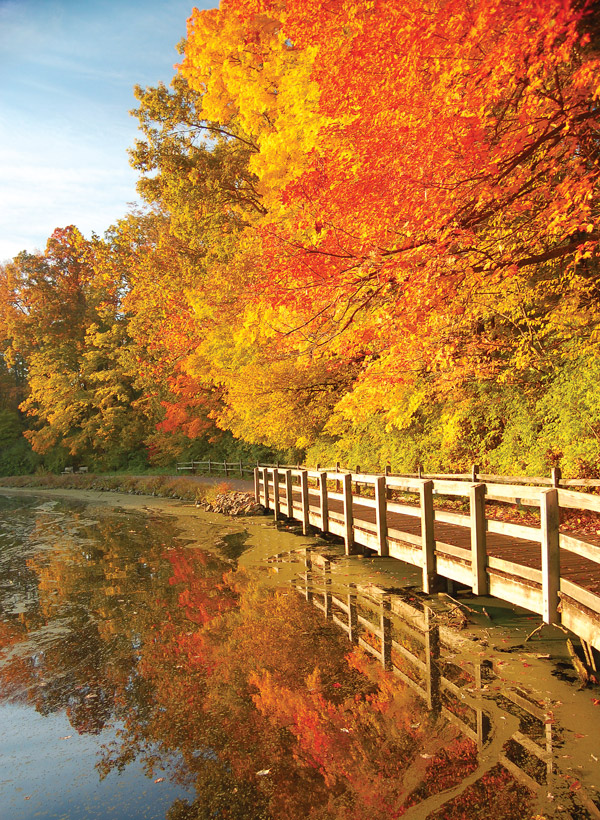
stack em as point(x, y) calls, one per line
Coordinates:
point(430, 182)
point(65, 321)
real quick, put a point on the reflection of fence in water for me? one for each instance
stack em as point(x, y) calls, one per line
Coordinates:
point(409, 642)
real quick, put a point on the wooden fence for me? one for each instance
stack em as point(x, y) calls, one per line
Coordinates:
point(226, 468)
point(397, 516)
point(411, 644)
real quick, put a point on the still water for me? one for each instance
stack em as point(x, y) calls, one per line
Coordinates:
point(143, 677)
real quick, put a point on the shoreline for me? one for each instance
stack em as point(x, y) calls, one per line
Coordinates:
point(190, 521)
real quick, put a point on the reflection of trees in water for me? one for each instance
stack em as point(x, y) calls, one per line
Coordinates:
point(276, 718)
point(269, 710)
point(89, 591)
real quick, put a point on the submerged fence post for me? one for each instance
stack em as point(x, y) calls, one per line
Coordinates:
point(288, 493)
point(432, 662)
point(308, 575)
point(327, 595)
point(386, 632)
point(324, 502)
point(381, 515)
point(305, 507)
point(352, 614)
point(484, 724)
point(478, 548)
point(549, 521)
point(428, 536)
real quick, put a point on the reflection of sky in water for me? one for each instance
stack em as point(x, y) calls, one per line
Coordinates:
point(60, 619)
point(48, 771)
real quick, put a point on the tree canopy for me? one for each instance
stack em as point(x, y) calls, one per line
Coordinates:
point(372, 232)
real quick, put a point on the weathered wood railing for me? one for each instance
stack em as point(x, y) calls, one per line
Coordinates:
point(410, 643)
point(466, 548)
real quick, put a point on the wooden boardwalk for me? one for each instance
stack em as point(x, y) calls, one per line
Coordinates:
point(553, 573)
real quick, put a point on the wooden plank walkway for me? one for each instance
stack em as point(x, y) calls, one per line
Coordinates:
point(554, 574)
point(575, 568)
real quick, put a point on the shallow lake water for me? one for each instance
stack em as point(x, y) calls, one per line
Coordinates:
point(242, 677)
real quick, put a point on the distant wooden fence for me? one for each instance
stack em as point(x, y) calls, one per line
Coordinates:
point(410, 643)
point(360, 508)
point(226, 468)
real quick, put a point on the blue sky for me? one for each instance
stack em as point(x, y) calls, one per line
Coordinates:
point(67, 71)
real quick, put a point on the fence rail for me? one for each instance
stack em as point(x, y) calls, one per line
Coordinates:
point(554, 574)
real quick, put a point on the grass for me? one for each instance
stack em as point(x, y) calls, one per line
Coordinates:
point(162, 486)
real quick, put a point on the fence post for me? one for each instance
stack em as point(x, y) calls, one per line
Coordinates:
point(549, 521)
point(337, 481)
point(305, 507)
point(556, 476)
point(474, 472)
point(266, 486)
point(428, 536)
point(478, 549)
point(276, 493)
point(348, 514)
point(324, 502)
point(381, 515)
point(209, 467)
point(288, 493)
point(256, 485)
point(388, 471)
point(357, 484)
point(386, 632)
point(241, 470)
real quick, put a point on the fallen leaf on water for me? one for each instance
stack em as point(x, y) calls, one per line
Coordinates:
point(263, 772)
point(66, 737)
point(578, 734)
point(159, 780)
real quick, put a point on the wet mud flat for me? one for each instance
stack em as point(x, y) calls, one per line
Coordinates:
point(157, 662)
